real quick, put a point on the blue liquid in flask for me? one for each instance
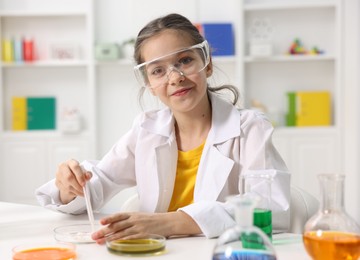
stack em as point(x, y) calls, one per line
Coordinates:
point(244, 255)
point(244, 241)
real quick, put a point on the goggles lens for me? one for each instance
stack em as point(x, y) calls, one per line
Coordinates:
point(188, 61)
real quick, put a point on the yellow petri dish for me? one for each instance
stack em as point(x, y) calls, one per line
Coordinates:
point(44, 251)
point(150, 245)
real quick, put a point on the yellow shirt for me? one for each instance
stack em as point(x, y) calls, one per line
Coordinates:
point(187, 166)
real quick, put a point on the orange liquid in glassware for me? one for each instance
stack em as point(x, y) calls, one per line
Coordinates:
point(46, 253)
point(332, 245)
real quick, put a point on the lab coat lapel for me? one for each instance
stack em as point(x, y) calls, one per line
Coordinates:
point(163, 175)
point(215, 165)
point(166, 159)
point(212, 175)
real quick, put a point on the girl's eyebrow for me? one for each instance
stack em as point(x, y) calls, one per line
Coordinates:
point(176, 54)
point(163, 59)
point(153, 63)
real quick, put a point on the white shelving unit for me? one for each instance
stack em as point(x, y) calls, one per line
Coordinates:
point(287, 5)
point(306, 150)
point(29, 158)
point(106, 92)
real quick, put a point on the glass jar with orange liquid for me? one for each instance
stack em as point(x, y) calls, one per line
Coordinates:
point(331, 234)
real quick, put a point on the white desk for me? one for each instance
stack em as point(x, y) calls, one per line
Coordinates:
point(24, 223)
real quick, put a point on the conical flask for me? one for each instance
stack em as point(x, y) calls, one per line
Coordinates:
point(331, 234)
point(244, 241)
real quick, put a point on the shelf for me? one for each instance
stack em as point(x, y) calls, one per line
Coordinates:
point(303, 130)
point(281, 5)
point(309, 149)
point(41, 134)
point(290, 58)
point(46, 63)
point(128, 62)
point(224, 59)
point(40, 13)
point(120, 62)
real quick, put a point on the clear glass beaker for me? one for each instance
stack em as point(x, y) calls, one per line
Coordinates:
point(258, 186)
point(244, 241)
point(331, 234)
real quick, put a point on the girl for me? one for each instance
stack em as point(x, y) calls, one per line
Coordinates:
point(184, 159)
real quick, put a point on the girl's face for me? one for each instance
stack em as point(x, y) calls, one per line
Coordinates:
point(181, 93)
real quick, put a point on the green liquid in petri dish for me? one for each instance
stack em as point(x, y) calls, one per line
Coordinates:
point(263, 220)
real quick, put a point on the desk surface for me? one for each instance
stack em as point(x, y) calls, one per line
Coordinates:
point(24, 223)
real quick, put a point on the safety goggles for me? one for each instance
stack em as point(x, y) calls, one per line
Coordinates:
point(188, 61)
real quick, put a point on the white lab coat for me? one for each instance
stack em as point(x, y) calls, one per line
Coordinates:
point(239, 142)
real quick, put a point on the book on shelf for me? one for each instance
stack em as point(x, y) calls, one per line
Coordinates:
point(19, 114)
point(220, 37)
point(7, 50)
point(291, 115)
point(309, 108)
point(33, 113)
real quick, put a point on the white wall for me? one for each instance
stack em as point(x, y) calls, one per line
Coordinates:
point(351, 98)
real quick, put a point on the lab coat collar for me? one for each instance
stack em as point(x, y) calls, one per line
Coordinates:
point(225, 121)
point(160, 122)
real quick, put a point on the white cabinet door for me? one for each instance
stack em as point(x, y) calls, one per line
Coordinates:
point(26, 165)
point(22, 170)
point(309, 155)
point(60, 151)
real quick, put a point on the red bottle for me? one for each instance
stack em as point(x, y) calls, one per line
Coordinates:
point(28, 49)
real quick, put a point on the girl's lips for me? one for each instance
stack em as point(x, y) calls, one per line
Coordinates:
point(181, 92)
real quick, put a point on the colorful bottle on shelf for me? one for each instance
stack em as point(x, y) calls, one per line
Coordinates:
point(28, 49)
point(18, 50)
point(8, 50)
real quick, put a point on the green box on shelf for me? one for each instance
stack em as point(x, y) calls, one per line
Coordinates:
point(41, 113)
point(291, 115)
point(107, 51)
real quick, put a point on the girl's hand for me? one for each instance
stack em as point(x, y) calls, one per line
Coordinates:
point(132, 225)
point(70, 180)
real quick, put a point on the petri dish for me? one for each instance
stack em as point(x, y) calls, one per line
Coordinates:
point(79, 233)
point(150, 245)
point(45, 251)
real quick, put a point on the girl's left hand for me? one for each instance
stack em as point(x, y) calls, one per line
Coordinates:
point(132, 225)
